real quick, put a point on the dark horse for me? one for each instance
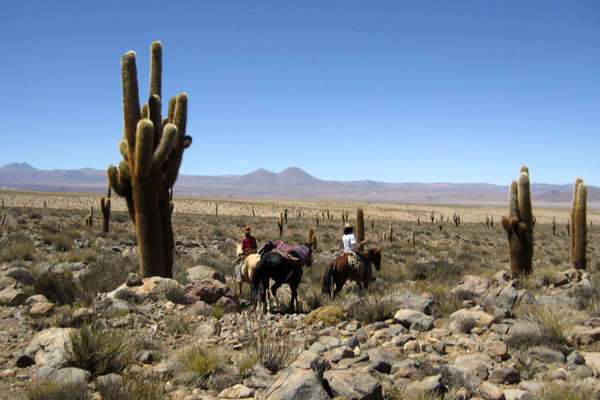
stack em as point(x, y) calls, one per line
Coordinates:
point(339, 271)
point(282, 270)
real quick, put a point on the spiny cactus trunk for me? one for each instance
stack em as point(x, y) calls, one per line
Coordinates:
point(152, 150)
point(105, 208)
point(519, 226)
point(579, 226)
point(360, 225)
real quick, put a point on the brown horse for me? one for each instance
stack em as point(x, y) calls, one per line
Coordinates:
point(339, 271)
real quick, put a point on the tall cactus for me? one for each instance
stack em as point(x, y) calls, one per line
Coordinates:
point(105, 208)
point(578, 225)
point(519, 225)
point(152, 149)
point(360, 225)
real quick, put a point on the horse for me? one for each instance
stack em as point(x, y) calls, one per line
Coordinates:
point(339, 271)
point(247, 267)
point(274, 265)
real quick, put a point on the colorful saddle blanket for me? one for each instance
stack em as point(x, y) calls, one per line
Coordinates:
point(298, 251)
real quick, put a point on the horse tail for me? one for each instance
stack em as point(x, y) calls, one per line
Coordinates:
point(256, 284)
point(328, 278)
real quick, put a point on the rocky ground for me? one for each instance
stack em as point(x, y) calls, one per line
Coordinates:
point(443, 319)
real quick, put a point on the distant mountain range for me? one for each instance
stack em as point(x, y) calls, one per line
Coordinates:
point(289, 183)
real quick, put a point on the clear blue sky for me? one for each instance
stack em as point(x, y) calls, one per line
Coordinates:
point(397, 91)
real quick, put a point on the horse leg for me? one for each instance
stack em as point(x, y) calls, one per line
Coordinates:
point(273, 292)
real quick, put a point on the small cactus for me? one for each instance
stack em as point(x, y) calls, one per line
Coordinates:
point(280, 226)
point(89, 220)
point(390, 234)
point(579, 225)
point(519, 225)
point(312, 239)
point(105, 208)
point(360, 225)
point(553, 226)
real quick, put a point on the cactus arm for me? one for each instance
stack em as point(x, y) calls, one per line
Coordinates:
point(513, 201)
point(506, 224)
point(143, 149)
point(113, 177)
point(155, 69)
point(131, 102)
point(154, 106)
point(164, 146)
point(171, 113)
point(179, 119)
point(525, 199)
point(145, 111)
point(123, 149)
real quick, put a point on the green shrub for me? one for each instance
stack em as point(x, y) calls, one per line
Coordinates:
point(372, 308)
point(133, 387)
point(566, 392)
point(330, 315)
point(177, 325)
point(201, 361)
point(273, 352)
point(218, 312)
point(551, 327)
point(59, 288)
point(51, 390)
point(98, 350)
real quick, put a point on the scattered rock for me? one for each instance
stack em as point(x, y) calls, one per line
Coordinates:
point(10, 296)
point(210, 290)
point(490, 391)
point(509, 375)
point(238, 391)
point(471, 286)
point(41, 309)
point(354, 384)
point(414, 320)
point(546, 355)
point(48, 347)
point(199, 272)
point(431, 385)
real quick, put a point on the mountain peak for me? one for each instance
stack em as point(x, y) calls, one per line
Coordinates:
point(19, 166)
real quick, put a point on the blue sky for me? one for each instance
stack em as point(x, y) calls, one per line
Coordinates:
point(398, 91)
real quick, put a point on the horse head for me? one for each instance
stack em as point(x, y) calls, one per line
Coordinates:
point(308, 254)
point(375, 257)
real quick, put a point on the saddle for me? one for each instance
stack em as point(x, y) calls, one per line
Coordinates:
point(284, 254)
point(353, 261)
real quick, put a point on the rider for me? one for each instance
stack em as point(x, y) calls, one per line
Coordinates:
point(249, 246)
point(349, 240)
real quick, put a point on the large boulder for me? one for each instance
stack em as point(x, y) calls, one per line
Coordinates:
point(471, 286)
point(10, 296)
point(430, 386)
point(200, 272)
point(48, 347)
point(502, 298)
point(22, 275)
point(354, 384)
point(154, 287)
point(413, 319)
point(408, 300)
point(210, 290)
point(303, 379)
